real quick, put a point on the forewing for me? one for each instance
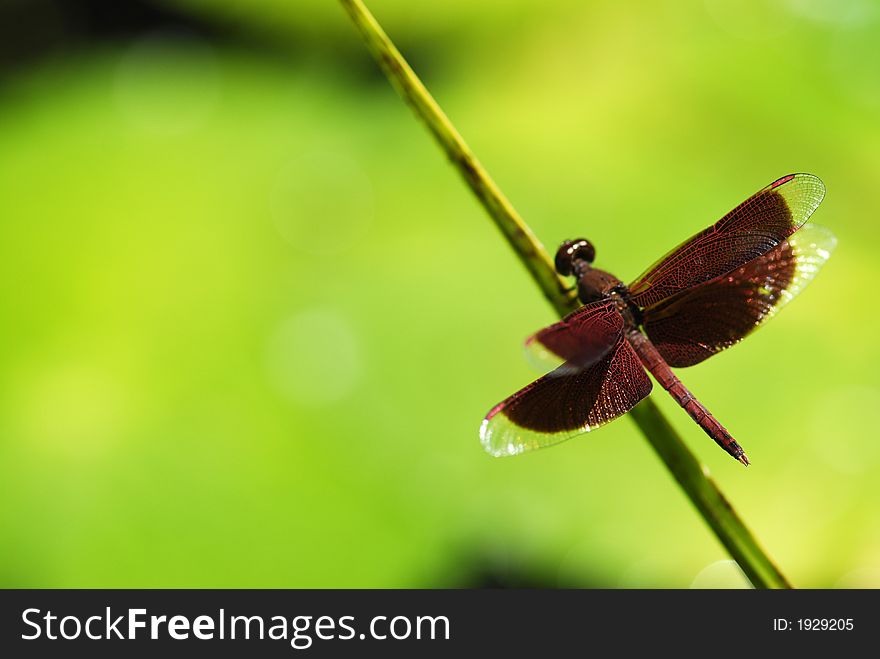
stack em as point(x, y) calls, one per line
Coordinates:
point(582, 338)
point(559, 406)
point(701, 321)
point(750, 230)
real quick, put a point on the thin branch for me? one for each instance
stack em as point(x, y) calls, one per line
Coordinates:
point(686, 469)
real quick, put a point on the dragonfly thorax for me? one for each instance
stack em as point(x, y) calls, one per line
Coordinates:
point(594, 284)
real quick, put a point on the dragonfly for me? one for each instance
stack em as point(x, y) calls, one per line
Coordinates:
point(702, 297)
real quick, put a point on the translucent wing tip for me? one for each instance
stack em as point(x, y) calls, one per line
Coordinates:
point(809, 181)
point(502, 437)
point(497, 436)
point(803, 177)
point(539, 358)
point(817, 238)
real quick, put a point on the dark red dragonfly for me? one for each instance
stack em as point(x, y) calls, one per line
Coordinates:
point(702, 297)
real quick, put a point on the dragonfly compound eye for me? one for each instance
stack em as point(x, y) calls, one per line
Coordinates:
point(571, 251)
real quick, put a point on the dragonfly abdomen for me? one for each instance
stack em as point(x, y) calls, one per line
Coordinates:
point(658, 367)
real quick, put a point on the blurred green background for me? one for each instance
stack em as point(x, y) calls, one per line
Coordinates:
point(252, 319)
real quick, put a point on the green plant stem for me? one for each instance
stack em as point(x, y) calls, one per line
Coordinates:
point(686, 469)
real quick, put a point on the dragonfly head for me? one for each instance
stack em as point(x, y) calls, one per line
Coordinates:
point(571, 251)
point(575, 258)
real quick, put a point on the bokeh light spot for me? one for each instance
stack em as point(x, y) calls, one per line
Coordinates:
point(865, 577)
point(721, 574)
point(839, 12)
point(313, 357)
point(755, 21)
